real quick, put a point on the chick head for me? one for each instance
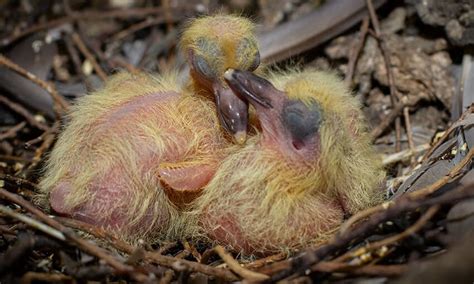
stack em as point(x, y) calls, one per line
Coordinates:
point(294, 181)
point(214, 44)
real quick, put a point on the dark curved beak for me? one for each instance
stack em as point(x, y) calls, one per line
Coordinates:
point(232, 112)
point(258, 91)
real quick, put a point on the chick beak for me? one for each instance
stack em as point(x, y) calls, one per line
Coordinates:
point(258, 91)
point(232, 112)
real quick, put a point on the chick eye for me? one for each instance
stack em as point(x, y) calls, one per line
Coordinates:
point(206, 52)
point(201, 66)
point(255, 63)
point(247, 54)
point(301, 120)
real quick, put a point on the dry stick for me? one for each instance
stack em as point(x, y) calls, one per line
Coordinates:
point(33, 223)
point(237, 268)
point(23, 112)
point(393, 115)
point(82, 47)
point(450, 130)
point(33, 277)
point(156, 257)
point(362, 215)
point(91, 14)
point(48, 138)
point(120, 62)
point(60, 105)
point(266, 260)
point(371, 270)
point(74, 55)
point(12, 132)
point(19, 181)
point(14, 158)
point(170, 262)
point(404, 154)
point(394, 96)
point(167, 278)
point(135, 27)
point(393, 239)
point(356, 51)
point(84, 245)
point(408, 129)
point(405, 203)
point(423, 192)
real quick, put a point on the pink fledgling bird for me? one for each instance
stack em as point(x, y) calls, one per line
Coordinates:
point(135, 153)
point(132, 154)
point(292, 184)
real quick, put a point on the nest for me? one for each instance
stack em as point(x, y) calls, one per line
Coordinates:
point(403, 76)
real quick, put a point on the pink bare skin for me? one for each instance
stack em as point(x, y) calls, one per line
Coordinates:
point(291, 185)
point(132, 135)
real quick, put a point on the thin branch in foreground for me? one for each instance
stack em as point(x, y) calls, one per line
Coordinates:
point(408, 202)
point(88, 55)
point(60, 104)
point(246, 274)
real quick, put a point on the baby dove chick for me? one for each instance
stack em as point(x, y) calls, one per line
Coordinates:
point(137, 151)
point(214, 44)
point(292, 184)
point(132, 154)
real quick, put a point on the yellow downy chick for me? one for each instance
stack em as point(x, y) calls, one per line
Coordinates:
point(291, 185)
point(131, 154)
point(214, 44)
point(135, 152)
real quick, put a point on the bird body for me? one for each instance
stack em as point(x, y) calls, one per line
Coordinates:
point(135, 153)
point(146, 156)
point(132, 154)
point(293, 182)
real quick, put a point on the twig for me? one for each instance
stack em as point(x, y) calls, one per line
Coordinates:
point(118, 61)
point(362, 215)
point(408, 129)
point(405, 203)
point(60, 105)
point(86, 15)
point(423, 192)
point(12, 131)
point(136, 27)
point(237, 268)
point(82, 47)
point(393, 239)
point(23, 112)
point(14, 158)
point(84, 245)
point(33, 277)
point(167, 277)
point(266, 260)
point(48, 138)
point(155, 257)
point(448, 132)
point(394, 96)
point(169, 261)
point(355, 52)
point(393, 115)
point(33, 223)
point(455, 171)
point(74, 55)
point(97, 232)
point(370, 270)
point(19, 181)
point(404, 154)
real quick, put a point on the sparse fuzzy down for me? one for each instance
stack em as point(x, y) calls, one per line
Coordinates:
point(225, 41)
point(260, 201)
point(104, 166)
